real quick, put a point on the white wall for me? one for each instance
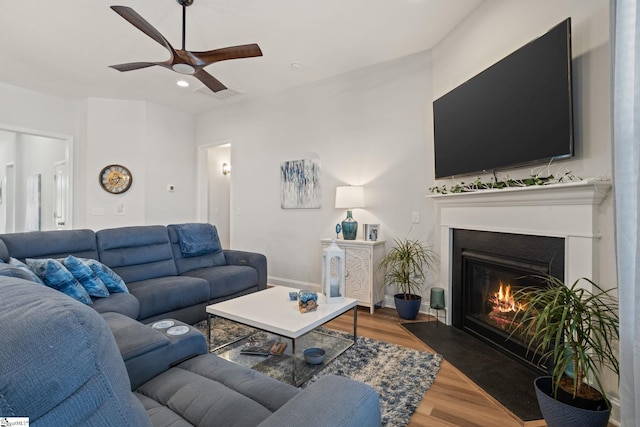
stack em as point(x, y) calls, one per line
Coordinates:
point(157, 145)
point(368, 127)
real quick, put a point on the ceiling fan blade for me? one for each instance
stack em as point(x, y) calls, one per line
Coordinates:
point(233, 52)
point(140, 23)
point(209, 81)
point(132, 66)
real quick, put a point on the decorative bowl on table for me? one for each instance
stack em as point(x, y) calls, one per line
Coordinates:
point(314, 356)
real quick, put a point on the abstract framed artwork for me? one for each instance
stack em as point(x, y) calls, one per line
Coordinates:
point(300, 184)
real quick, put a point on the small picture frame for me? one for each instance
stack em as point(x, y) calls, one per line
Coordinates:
point(371, 232)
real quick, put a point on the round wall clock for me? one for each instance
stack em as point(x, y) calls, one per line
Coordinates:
point(115, 179)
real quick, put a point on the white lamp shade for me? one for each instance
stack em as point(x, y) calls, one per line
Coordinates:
point(349, 196)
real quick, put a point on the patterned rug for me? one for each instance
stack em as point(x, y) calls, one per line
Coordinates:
point(400, 375)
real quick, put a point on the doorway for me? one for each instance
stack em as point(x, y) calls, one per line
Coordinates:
point(214, 182)
point(26, 155)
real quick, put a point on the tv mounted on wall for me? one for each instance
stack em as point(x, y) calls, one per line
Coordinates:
point(517, 112)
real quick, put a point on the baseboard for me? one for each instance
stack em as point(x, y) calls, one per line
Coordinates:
point(296, 284)
point(615, 412)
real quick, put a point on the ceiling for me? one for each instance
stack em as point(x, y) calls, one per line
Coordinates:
point(64, 47)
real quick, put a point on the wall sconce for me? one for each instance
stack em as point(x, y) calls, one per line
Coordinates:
point(226, 169)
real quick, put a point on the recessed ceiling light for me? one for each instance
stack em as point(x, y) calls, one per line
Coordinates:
point(182, 83)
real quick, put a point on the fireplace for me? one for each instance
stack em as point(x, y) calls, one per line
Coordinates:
point(487, 268)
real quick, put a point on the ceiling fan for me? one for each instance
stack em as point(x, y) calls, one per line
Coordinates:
point(183, 61)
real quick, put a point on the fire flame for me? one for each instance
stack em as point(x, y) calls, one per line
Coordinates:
point(503, 300)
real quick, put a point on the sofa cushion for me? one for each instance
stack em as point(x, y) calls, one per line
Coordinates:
point(111, 280)
point(59, 363)
point(123, 303)
point(94, 286)
point(56, 276)
point(51, 244)
point(227, 279)
point(137, 253)
point(184, 264)
point(164, 294)
point(243, 396)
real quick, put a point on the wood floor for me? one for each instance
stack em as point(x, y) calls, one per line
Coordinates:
point(453, 399)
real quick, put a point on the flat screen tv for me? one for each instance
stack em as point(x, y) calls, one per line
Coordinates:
point(517, 112)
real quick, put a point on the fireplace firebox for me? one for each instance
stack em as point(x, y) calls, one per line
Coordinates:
point(487, 268)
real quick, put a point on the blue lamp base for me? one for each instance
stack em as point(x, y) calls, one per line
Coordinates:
point(349, 227)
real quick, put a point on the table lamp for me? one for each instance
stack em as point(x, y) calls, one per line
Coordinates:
point(349, 197)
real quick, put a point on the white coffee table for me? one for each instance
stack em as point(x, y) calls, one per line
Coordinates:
point(271, 310)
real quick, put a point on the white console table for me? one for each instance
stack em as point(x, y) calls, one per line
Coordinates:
point(363, 280)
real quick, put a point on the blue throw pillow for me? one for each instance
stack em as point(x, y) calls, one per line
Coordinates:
point(56, 276)
point(22, 266)
point(94, 286)
point(111, 280)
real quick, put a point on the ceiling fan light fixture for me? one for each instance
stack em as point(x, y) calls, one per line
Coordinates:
point(183, 68)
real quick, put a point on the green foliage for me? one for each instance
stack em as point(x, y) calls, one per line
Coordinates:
point(495, 184)
point(571, 326)
point(406, 266)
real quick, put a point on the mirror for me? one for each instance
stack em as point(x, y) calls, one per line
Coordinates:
point(35, 177)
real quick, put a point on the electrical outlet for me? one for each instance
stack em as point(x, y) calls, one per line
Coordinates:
point(415, 217)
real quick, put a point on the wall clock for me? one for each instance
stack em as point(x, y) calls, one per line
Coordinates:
point(115, 179)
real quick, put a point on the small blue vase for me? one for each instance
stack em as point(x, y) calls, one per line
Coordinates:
point(349, 227)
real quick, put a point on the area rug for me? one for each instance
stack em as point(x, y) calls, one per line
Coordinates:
point(400, 375)
point(508, 381)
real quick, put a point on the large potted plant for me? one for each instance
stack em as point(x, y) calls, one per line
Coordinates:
point(405, 266)
point(574, 327)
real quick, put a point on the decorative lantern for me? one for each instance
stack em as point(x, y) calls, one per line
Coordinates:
point(333, 283)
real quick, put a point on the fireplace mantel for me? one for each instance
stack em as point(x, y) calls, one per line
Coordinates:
point(570, 211)
point(584, 192)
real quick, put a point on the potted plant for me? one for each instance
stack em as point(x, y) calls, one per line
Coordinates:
point(405, 266)
point(574, 329)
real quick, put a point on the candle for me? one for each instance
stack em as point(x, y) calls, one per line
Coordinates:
point(437, 298)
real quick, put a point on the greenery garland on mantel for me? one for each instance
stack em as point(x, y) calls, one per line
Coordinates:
point(536, 179)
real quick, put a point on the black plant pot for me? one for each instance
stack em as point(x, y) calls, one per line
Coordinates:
point(407, 308)
point(559, 414)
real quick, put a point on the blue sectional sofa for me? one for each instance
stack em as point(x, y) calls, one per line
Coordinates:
point(64, 364)
point(163, 278)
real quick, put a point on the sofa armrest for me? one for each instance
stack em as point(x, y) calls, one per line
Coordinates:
point(251, 259)
point(148, 352)
point(331, 401)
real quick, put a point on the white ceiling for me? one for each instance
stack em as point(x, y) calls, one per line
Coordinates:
point(64, 47)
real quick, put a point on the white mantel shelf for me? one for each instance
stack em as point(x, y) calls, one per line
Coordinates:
point(569, 211)
point(584, 192)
